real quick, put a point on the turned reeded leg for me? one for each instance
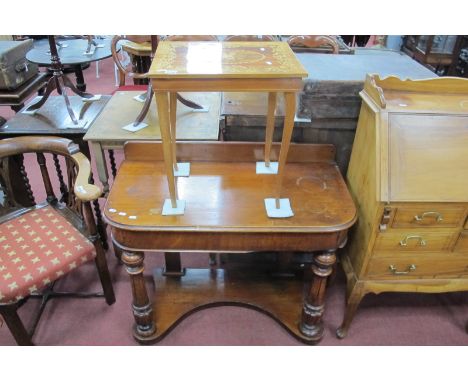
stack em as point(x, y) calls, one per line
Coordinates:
point(142, 309)
point(312, 312)
point(354, 296)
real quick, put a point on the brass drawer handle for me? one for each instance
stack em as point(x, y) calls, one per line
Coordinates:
point(438, 216)
point(421, 241)
point(410, 268)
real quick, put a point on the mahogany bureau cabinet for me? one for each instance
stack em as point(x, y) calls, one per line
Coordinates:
point(408, 175)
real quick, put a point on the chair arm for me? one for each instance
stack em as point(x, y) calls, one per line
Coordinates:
point(138, 75)
point(29, 144)
point(83, 189)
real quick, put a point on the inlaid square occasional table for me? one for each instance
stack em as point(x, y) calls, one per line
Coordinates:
point(268, 67)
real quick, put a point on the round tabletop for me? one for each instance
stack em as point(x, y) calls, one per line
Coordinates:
point(72, 52)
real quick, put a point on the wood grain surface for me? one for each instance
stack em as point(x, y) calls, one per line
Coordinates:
point(180, 59)
point(229, 195)
point(122, 110)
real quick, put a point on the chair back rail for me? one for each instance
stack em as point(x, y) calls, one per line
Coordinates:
point(311, 41)
point(14, 182)
point(176, 37)
point(123, 72)
point(250, 37)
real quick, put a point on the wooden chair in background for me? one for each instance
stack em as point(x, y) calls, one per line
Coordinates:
point(134, 45)
point(124, 72)
point(250, 37)
point(42, 243)
point(310, 41)
point(176, 37)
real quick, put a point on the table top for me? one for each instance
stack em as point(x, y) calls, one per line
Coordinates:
point(331, 77)
point(180, 59)
point(73, 54)
point(51, 117)
point(355, 67)
point(223, 192)
point(122, 110)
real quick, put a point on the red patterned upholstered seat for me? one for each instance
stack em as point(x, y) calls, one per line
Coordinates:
point(37, 248)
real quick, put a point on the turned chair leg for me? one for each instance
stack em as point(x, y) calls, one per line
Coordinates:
point(14, 323)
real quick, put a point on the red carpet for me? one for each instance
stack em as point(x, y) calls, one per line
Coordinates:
point(387, 319)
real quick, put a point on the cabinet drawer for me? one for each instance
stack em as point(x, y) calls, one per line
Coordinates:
point(415, 241)
point(462, 243)
point(428, 216)
point(417, 266)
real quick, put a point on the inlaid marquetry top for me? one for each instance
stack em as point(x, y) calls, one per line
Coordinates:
point(260, 59)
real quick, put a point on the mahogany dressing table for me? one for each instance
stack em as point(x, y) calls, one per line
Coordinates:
point(233, 220)
point(212, 197)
